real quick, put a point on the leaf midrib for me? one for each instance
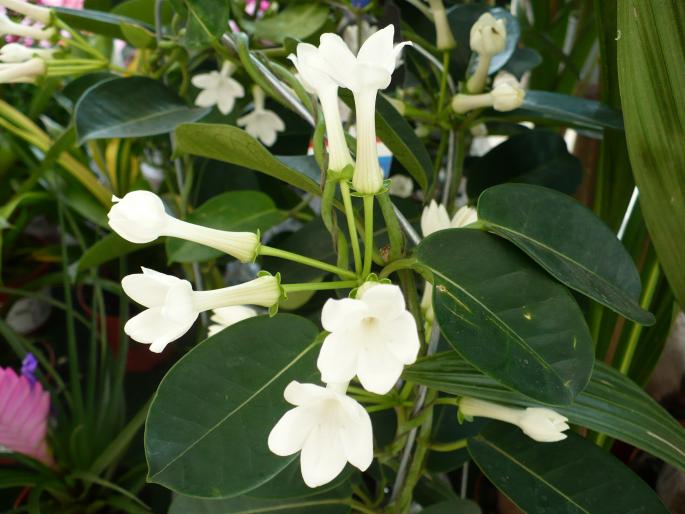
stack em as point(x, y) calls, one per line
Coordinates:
point(237, 408)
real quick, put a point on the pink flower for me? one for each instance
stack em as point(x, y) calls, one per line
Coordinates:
point(24, 410)
point(69, 4)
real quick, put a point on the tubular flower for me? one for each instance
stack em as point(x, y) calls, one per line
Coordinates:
point(309, 64)
point(262, 123)
point(24, 412)
point(22, 72)
point(139, 217)
point(10, 28)
point(434, 218)
point(372, 337)
point(218, 88)
point(541, 424)
point(35, 12)
point(16, 53)
point(172, 306)
point(364, 74)
point(443, 32)
point(488, 37)
point(329, 428)
point(226, 316)
point(506, 95)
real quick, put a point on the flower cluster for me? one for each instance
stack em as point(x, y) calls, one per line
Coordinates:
point(171, 304)
point(331, 65)
point(371, 337)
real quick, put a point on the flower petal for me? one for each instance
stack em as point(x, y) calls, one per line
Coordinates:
point(338, 357)
point(207, 98)
point(378, 50)
point(151, 327)
point(323, 456)
point(290, 433)
point(402, 339)
point(357, 435)
point(300, 394)
point(384, 301)
point(148, 288)
point(378, 369)
point(206, 80)
point(342, 314)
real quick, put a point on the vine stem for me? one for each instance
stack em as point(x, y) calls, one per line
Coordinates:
point(368, 234)
point(319, 286)
point(307, 261)
point(351, 225)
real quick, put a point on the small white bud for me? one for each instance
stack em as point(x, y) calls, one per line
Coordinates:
point(35, 12)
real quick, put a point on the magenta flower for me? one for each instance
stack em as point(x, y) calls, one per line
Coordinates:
point(24, 410)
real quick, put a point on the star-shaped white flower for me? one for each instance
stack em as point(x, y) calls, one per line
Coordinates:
point(218, 88)
point(329, 428)
point(372, 337)
point(262, 123)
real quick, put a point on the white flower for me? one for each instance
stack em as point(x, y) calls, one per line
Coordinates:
point(372, 337)
point(351, 34)
point(172, 306)
point(23, 71)
point(506, 95)
point(401, 186)
point(444, 40)
point(488, 37)
point(540, 424)
point(139, 217)
point(329, 428)
point(262, 123)
point(35, 12)
point(434, 218)
point(10, 28)
point(16, 52)
point(218, 88)
point(226, 316)
point(364, 75)
point(309, 65)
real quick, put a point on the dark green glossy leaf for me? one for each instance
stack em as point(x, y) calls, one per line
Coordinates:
point(572, 110)
point(524, 59)
point(99, 22)
point(569, 241)
point(238, 211)
point(143, 10)
point(297, 21)
point(329, 502)
point(532, 157)
point(207, 429)
point(571, 476)
point(611, 403)
point(235, 146)
point(289, 484)
point(107, 248)
point(400, 138)
point(447, 429)
point(453, 507)
point(506, 316)
point(207, 20)
point(130, 107)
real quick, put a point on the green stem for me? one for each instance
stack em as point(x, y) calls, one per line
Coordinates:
point(307, 261)
point(636, 329)
point(397, 265)
point(319, 286)
point(443, 80)
point(448, 447)
point(393, 225)
point(368, 234)
point(458, 171)
point(351, 225)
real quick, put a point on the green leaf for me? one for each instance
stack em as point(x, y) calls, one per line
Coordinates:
point(571, 476)
point(207, 20)
point(506, 316)
point(400, 138)
point(453, 507)
point(99, 22)
point(611, 403)
point(572, 110)
point(207, 429)
point(289, 484)
point(329, 502)
point(297, 21)
point(239, 211)
point(569, 241)
point(107, 248)
point(651, 70)
point(130, 107)
point(233, 145)
point(532, 157)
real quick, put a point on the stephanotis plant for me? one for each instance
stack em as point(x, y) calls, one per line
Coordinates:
point(414, 306)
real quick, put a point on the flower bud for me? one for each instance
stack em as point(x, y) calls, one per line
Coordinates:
point(488, 35)
point(507, 97)
point(22, 72)
point(443, 32)
point(35, 12)
point(16, 53)
point(10, 28)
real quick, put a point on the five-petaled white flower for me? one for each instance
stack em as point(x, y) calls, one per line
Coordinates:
point(488, 37)
point(139, 217)
point(172, 306)
point(364, 74)
point(372, 337)
point(328, 427)
point(226, 316)
point(218, 88)
point(32, 11)
point(538, 423)
point(262, 123)
point(11, 28)
point(309, 64)
point(16, 52)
